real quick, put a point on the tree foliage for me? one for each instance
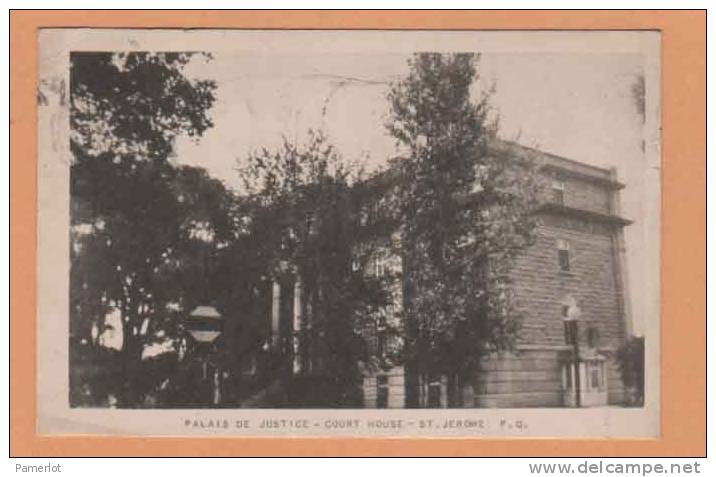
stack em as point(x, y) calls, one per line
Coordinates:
point(630, 359)
point(152, 239)
point(134, 214)
point(306, 218)
point(135, 104)
point(465, 215)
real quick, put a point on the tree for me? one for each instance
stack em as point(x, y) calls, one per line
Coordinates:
point(131, 211)
point(630, 359)
point(306, 216)
point(465, 216)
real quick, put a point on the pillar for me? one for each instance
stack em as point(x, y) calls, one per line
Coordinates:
point(296, 326)
point(275, 313)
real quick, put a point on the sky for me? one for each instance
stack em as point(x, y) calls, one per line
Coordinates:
point(560, 103)
point(574, 104)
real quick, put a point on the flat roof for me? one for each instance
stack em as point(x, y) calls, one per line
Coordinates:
point(571, 167)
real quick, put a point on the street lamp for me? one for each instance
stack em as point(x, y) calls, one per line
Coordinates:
point(204, 324)
point(571, 334)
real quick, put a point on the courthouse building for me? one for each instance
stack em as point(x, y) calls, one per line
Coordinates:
point(575, 267)
point(575, 270)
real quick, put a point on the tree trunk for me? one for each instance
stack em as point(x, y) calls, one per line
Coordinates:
point(454, 390)
point(131, 355)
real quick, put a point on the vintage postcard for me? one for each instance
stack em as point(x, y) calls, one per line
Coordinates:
point(348, 233)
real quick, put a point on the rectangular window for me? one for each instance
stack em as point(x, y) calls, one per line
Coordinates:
point(593, 337)
point(382, 396)
point(596, 375)
point(381, 329)
point(288, 238)
point(564, 260)
point(568, 376)
point(570, 332)
point(379, 265)
point(310, 224)
point(558, 192)
point(434, 391)
point(364, 216)
point(595, 378)
point(563, 254)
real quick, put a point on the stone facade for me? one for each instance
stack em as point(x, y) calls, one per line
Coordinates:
point(385, 389)
point(576, 261)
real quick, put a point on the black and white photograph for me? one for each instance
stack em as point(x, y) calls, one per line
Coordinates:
point(340, 232)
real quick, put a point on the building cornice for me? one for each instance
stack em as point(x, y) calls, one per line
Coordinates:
point(554, 163)
point(565, 211)
point(565, 171)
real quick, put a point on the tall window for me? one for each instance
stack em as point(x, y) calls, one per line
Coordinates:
point(364, 216)
point(595, 375)
point(382, 396)
point(558, 192)
point(288, 239)
point(568, 376)
point(310, 224)
point(381, 329)
point(434, 391)
point(593, 337)
point(563, 254)
point(379, 263)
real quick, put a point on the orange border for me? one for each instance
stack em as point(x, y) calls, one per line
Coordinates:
point(683, 246)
